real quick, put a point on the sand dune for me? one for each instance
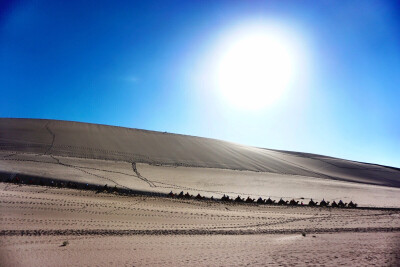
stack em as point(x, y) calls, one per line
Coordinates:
point(49, 226)
point(83, 140)
point(206, 181)
point(161, 162)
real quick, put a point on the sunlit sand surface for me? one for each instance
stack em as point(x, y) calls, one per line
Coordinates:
point(107, 229)
point(206, 181)
point(48, 226)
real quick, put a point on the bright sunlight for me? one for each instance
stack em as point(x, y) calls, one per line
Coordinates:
point(256, 64)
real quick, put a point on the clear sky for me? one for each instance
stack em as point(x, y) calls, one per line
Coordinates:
point(152, 65)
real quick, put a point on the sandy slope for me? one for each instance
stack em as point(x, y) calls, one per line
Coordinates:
point(160, 162)
point(94, 141)
point(111, 230)
point(206, 181)
point(107, 229)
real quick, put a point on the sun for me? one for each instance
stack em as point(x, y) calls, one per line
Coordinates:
point(255, 66)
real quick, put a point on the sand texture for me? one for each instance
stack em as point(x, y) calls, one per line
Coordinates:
point(107, 229)
point(146, 228)
point(161, 162)
point(206, 181)
point(83, 140)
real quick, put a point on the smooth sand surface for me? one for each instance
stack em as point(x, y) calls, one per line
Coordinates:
point(83, 140)
point(111, 230)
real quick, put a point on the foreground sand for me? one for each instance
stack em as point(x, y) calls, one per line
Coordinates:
point(107, 229)
point(142, 230)
point(340, 249)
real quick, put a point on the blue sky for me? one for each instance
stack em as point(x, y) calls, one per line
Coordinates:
point(146, 64)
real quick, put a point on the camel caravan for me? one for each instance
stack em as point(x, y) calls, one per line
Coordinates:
point(269, 201)
point(30, 180)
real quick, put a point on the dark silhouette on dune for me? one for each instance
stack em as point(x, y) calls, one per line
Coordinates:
point(352, 205)
point(260, 201)
point(341, 204)
point(312, 203)
point(269, 201)
point(225, 198)
point(324, 203)
point(239, 199)
point(282, 202)
point(249, 200)
point(199, 197)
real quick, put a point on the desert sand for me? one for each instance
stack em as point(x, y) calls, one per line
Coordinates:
point(107, 229)
point(148, 228)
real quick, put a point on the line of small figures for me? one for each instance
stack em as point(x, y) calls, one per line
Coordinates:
point(269, 201)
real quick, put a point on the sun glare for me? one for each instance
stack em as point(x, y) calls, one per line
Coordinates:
point(255, 65)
